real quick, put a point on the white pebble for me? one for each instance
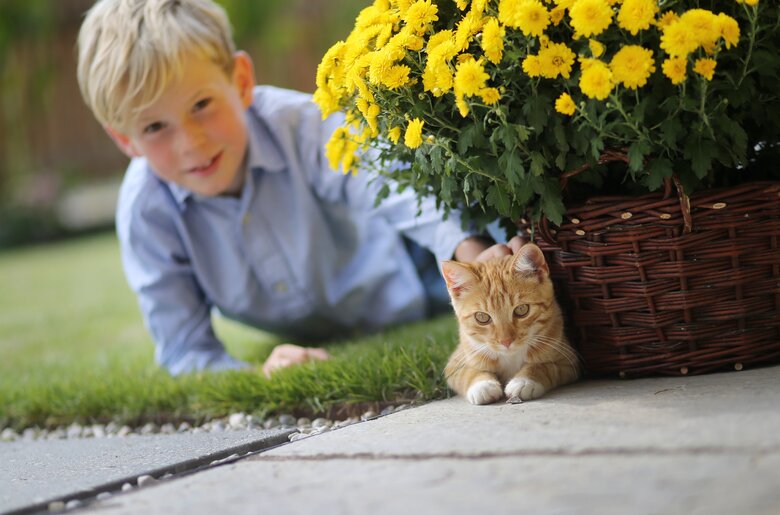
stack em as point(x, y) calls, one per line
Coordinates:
point(102, 496)
point(56, 506)
point(368, 415)
point(237, 420)
point(321, 422)
point(287, 420)
point(73, 504)
point(127, 487)
point(124, 431)
point(146, 480)
point(99, 431)
point(8, 435)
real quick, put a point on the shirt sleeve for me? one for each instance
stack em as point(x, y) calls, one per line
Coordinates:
point(419, 220)
point(158, 270)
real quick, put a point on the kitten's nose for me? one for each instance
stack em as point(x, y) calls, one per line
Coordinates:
point(506, 342)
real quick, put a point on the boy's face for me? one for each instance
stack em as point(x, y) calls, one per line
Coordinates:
point(195, 134)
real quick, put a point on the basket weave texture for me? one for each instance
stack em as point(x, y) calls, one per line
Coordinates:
point(667, 285)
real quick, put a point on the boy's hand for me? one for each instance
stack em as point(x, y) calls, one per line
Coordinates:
point(287, 354)
point(477, 249)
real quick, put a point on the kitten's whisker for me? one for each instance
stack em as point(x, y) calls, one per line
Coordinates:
point(563, 348)
point(469, 355)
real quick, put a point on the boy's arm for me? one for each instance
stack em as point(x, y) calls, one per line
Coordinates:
point(174, 308)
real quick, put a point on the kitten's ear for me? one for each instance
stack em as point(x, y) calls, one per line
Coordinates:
point(458, 276)
point(530, 261)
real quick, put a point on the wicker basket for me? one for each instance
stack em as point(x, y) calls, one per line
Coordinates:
point(664, 284)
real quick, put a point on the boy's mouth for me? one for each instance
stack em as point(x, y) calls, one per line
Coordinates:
point(208, 168)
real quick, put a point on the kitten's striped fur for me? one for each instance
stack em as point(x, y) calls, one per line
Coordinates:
point(512, 341)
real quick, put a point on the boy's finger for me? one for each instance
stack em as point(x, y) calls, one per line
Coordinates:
point(515, 243)
point(318, 353)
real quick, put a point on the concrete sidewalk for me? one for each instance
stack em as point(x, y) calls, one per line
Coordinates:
point(708, 444)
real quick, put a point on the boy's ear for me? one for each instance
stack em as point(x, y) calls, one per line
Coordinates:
point(244, 77)
point(123, 141)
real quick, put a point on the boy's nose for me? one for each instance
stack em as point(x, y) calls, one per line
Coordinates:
point(191, 137)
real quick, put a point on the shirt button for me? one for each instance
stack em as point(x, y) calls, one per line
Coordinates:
point(280, 287)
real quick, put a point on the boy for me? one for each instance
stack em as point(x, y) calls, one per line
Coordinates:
point(228, 201)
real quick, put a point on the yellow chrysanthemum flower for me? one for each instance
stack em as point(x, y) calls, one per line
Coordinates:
point(729, 30)
point(493, 40)
point(596, 48)
point(444, 36)
point(666, 19)
point(533, 18)
point(703, 24)
point(413, 136)
point(530, 16)
point(396, 76)
point(394, 135)
point(748, 2)
point(705, 67)
point(557, 14)
point(678, 40)
point(478, 6)
point(556, 59)
point(462, 4)
point(340, 151)
point(565, 105)
point(596, 80)
point(469, 26)
point(676, 69)
point(490, 96)
point(470, 78)
point(420, 14)
point(532, 66)
point(437, 78)
point(636, 15)
point(590, 17)
point(382, 64)
point(632, 65)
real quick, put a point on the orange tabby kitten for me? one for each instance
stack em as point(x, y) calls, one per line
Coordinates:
point(511, 329)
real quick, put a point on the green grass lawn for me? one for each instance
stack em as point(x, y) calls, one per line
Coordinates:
point(73, 348)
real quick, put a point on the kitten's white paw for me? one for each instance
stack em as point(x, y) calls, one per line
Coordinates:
point(484, 392)
point(523, 389)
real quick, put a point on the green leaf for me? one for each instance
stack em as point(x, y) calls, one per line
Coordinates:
point(522, 132)
point(596, 147)
point(497, 198)
point(671, 129)
point(466, 139)
point(636, 155)
point(552, 204)
point(538, 164)
point(657, 171)
point(560, 137)
point(700, 152)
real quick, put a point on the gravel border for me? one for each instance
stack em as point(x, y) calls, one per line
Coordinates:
point(233, 422)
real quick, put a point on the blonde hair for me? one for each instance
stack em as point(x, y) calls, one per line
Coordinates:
point(131, 50)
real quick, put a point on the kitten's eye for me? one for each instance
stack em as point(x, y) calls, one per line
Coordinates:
point(522, 310)
point(482, 318)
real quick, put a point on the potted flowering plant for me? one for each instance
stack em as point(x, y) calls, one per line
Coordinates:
point(568, 115)
point(497, 104)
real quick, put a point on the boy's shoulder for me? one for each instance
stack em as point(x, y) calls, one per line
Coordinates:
point(142, 194)
point(279, 104)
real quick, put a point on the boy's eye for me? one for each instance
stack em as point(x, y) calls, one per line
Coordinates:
point(153, 127)
point(202, 104)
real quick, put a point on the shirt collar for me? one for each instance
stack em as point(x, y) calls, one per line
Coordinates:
point(263, 153)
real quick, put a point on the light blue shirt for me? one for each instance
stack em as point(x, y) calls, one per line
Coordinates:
point(302, 252)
